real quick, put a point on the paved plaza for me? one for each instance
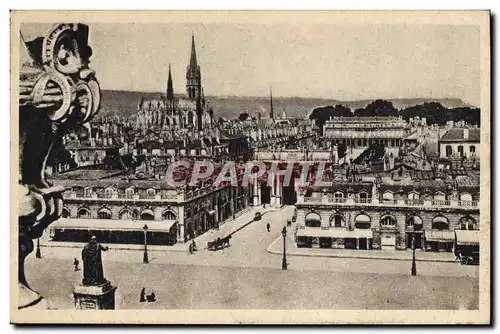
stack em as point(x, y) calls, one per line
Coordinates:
point(247, 275)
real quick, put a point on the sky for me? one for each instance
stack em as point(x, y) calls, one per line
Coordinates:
point(337, 61)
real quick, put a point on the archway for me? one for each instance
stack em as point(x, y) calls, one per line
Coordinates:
point(337, 220)
point(125, 214)
point(265, 193)
point(440, 223)
point(313, 220)
point(362, 221)
point(168, 215)
point(83, 213)
point(468, 223)
point(65, 213)
point(104, 213)
point(289, 193)
point(388, 226)
point(147, 214)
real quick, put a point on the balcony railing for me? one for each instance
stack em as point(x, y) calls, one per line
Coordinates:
point(394, 202)
point(337, 199)
point(440, 202)
point(312, 199)
point(468, 203)
point(414, 201)
point(363, 200)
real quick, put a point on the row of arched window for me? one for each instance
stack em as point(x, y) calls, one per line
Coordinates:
point(124, 214)
point(364, 221)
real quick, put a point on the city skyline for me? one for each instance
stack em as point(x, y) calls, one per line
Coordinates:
point(432, 62)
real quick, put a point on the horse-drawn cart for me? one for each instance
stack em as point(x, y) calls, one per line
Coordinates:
point(219, 243)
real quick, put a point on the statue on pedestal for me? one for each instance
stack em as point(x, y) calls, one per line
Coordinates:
point(93, 273)
point(58, 93)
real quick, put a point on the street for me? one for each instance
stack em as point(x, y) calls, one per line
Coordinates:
point(245, 275)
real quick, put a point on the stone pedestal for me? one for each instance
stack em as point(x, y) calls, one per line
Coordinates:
point(99, 297)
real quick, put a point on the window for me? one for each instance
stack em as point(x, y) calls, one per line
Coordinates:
point(468, 223)
point(338, 197)
point(336, 220)
point(449, 151)
point(439, 196)
point(108, 192)
point(169, 215)
point(104, 213)
point(87, 192)
point(83, 213)
point(461, 150)
point(415, 223)
point(388, 221)
point(413, 195)
point(126, 214)
point(362, 221)
point(313, 220)
point(472, 149)
point(129, 192)
point(440, 223)
point(148, 214)
point(388, 196)
point(65, 213)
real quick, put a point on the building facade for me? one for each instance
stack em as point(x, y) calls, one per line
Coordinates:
point(384, 212)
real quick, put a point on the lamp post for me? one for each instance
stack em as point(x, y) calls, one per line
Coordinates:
point(284, 264)
point(413, 263)
point(38, 253)
point(145, 257)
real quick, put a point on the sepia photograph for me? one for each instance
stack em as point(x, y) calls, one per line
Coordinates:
point(260, 167)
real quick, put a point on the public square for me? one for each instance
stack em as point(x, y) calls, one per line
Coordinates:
point(246, 275)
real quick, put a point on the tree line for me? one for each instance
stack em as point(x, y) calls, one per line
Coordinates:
point(434, 112)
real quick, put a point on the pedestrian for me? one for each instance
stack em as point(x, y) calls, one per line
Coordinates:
point(151, 297)
point(194, 246)
point(268, 227)
point(76, 263)
point(142, 298)
point(190, 248)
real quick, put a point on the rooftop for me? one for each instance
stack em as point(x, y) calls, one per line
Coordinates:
point(457, 134)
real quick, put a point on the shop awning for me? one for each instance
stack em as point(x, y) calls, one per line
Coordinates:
point(465, 237)
point(362, 218)
point(335, 233)
point(112, 225)
point(440, 236)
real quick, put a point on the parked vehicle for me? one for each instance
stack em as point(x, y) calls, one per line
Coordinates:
point(470, 259)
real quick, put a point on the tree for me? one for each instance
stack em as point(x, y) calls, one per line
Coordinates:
point(323, 114)
point(377, 108)
point(243, 116)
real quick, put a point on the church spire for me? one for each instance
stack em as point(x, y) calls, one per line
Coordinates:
point(193, 64)
point(170, 86)
point(193, 74)
point(271, 113)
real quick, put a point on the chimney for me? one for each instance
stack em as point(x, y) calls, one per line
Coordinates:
point(466, 133)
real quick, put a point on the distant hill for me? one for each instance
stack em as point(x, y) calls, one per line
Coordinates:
point(124, 103)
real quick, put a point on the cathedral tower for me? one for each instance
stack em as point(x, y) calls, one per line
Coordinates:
point(271, 113)
point(193, 75)
point(170, 86)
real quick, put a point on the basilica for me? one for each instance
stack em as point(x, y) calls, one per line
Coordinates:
point(189, 112)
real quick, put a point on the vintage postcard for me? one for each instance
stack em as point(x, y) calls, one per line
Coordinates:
point(260, 167)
